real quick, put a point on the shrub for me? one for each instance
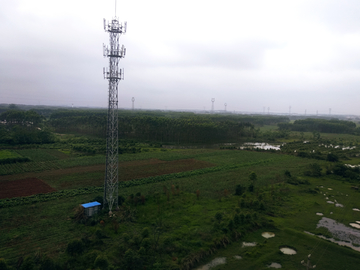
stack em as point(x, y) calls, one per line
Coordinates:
point(3, 265)
point(47, 264)
point(239, 190)
point(218, 216)
point(75, 247)
point(28, 264)
point(101, 262)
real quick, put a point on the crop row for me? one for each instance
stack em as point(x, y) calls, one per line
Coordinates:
point(148, 180)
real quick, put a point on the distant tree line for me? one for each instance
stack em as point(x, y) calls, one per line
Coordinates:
point(23, 127)
point(174, 127)
point(321, 125)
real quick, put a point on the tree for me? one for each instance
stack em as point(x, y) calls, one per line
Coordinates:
point(252, 177)
point(332, 157)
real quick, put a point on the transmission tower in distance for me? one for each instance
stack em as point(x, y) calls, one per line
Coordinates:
point(133, 100)
point(225, 106)
point(212, 105)
point(114, 74)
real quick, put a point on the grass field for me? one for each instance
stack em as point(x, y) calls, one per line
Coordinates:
point(185, 209)
point(4, 154)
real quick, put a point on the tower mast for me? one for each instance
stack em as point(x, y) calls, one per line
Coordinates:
point(114, 74)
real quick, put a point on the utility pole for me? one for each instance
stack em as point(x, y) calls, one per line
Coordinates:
point(133, 100)
point(225, 106)
point(114, 74)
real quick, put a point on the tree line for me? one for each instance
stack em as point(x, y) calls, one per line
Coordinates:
point(187, 128)
point(321, 125)
point(23, 127)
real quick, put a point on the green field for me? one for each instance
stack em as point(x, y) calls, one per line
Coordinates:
point(4, 154)
point(187, 196)
point(186, 226)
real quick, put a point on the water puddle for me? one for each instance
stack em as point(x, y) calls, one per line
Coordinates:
point(355, 225)
point(264, 146)
point(339, 205)
point(248, 244)
point(352, 166)
point(268, 234)
point(288, 251)
point(330, 202)
point(347, 236)
point(274, 265)
point(319, 214)
point(215, 262)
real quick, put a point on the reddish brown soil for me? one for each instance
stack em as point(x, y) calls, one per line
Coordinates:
point(23, 187)
point(127, 171)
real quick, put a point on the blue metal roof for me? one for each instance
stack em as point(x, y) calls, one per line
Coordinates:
point(90, 204)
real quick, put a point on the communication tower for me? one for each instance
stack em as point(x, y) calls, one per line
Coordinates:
point(289, 110)
point(133, 100)
point(225, 106)
point(114, 74)
point(212, 105)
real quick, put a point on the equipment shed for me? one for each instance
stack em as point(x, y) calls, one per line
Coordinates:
point(91, 208)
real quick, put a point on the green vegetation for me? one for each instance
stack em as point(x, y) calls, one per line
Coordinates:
point(173, 214)
point(321, 125)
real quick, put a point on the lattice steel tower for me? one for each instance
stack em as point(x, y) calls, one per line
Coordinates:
point(114, 74)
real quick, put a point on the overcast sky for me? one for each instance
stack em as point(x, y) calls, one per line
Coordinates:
point(251, 55)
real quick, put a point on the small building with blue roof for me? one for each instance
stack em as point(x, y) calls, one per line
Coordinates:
point(91, 208)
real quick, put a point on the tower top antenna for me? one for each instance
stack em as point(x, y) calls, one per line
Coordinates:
point(115, 8)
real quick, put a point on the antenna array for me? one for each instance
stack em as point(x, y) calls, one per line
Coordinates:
point(114, 74)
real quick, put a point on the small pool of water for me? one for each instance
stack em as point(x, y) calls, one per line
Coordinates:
point(264, 146)
point(274, 265)
point(355, 225)
point(268, 234)
point(288, 251)
point(319, 214)
point(215, 262)
point(248, 244)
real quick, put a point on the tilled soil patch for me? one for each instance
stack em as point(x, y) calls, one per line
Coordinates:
point(127, 171)
point(23, 187)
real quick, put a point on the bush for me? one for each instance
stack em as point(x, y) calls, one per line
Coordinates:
point(75, 247)
point(101, 262)
point(47, 264)
point(239, 190)
point(3, 265)
point(332, 157)
point(28, 264)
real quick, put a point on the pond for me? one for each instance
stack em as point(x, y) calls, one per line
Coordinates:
point(347, 236)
